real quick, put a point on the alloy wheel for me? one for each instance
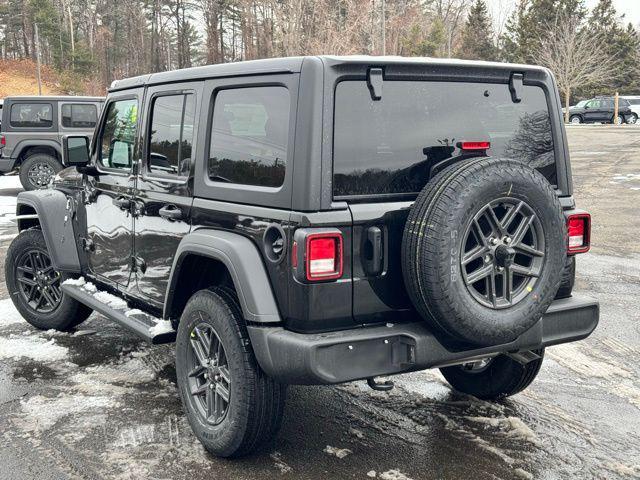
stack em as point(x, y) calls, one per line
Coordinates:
point(502, 253)
point(39, 283)
point(209, 380)
point(40, 174)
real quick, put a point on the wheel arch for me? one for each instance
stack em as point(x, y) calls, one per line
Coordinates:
point(221, 258)
point(54, 218)
point(27, 148)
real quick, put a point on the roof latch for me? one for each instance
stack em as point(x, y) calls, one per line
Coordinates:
point(374, 82)
point(515, 87)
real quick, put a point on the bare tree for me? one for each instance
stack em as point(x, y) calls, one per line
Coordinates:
point(575, 55)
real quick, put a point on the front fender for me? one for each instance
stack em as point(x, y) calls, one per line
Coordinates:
point(55, 216)
point(242, 259)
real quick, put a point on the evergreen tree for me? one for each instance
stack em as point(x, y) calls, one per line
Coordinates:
point(477, 37)
point(529, 22)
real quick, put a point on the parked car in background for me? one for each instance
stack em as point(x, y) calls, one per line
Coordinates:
point(31, 134)
point(634, 103)
point(602, 110)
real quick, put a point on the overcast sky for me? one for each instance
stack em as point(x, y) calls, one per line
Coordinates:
point(630, 8)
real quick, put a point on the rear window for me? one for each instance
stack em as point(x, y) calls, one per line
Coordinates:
point(79, 115)
point(389, 146)
point(32, 115)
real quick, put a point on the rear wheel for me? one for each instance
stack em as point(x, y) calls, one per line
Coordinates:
point(232, 406)
point(34, 285)
point(37, 171)
point(493, 378)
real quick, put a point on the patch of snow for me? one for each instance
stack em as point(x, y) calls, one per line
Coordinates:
point(81, 333)
point(512, 427)
point(90, 287)
point(77, 282)
point(393, 475)
point(523, 474)
point(8, 313)
point(110, 300)
point(356, 433)
point(35, 348)
point(162, 326)
point(338, 452)
point(46, 412)
point(571, 356)
point(133, 371)
point(279, 463)
point(371, 474)
point(133, 311)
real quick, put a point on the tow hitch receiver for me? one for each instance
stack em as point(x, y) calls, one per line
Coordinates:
point(385, 386)
point(523, 357)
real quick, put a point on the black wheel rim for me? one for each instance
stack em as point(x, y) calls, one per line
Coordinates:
point(38, 282)
point(503, 252)
point(40, 174)
point(209, 381)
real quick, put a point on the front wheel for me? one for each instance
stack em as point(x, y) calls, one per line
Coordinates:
point(493, 378)
point(34, 285)
point(575, 120)
point(231, 405)
point(619, 120)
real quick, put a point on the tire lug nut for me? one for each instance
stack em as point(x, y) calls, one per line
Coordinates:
point(507, 240)
point(487, 258)
point(494, 241)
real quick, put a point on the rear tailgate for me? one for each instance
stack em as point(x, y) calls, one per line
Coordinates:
point(385, 151)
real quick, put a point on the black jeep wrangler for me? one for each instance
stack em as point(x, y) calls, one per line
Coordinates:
point(316, 220)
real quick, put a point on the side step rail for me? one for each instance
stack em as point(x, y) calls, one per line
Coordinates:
point(152, 329)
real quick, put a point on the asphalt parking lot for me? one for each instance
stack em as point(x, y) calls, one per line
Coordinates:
point(98, 403)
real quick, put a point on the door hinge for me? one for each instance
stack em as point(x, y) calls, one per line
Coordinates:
point(138, 265)
point(87, 244)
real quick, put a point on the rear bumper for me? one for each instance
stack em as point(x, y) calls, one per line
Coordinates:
point(6, 164)
point(336, 357)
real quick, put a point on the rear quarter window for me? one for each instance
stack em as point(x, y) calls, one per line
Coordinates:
point(389, 146)
point(31, 115)
point(249, 136)
point(79, 115)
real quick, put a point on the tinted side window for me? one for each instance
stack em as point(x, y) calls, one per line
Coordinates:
point(171, 135)
point(79, 115)
point(32, 115)
point(389, 146)
point(119, 134)
point(249, 136)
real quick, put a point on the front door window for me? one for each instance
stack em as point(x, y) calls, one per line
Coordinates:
point(119, 135)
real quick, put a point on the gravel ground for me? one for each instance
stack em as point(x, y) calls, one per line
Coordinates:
point(101, 404)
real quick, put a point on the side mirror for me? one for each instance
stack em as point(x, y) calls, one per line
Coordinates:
point(76, 150)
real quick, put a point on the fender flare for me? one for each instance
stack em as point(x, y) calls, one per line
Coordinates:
point(22, 145)
point(57, 226)
point(242, 259)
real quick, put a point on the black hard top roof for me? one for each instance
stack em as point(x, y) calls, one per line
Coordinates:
point(294, 64)
point(45, 98)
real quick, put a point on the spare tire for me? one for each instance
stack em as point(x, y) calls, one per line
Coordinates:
point(483, 250)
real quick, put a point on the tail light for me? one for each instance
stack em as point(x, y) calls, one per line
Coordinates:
point(322, 257)
point(579, 233)
point(3, 141)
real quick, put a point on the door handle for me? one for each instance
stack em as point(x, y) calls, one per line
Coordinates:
point(123, 203)
point(170, 212)
point(374, 252)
